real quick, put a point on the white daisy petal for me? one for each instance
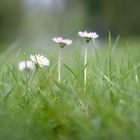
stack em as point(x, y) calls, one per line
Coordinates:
point(28, 64)
point(62, 42)
point(41, 60)
point(88, 36)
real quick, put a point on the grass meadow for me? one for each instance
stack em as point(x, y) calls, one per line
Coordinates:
point(45, 109)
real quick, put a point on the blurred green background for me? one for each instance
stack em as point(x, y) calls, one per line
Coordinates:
point(37, 19)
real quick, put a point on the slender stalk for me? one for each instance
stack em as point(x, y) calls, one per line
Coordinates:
point(110, 55)
point(26, 79)
point(59, 65)
point(29, 82)
point(85, 69)
point(31, 79)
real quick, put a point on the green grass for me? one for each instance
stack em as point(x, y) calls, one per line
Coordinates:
point(109, 109)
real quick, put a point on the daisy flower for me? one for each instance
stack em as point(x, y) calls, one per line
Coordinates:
point(88, 36)
point(26, 65)
point(40, 60)
point(62, 42)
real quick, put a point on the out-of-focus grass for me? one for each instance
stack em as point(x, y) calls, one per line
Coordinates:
point(109, 109)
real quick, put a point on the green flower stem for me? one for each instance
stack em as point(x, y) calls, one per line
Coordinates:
point(85, 68)
point(30, 80)
point(33, 76)
point(59, 65)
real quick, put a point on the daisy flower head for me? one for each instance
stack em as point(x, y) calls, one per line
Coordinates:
point(88, 36)
point(62, 42)
point(26, 65)
point(40, 60)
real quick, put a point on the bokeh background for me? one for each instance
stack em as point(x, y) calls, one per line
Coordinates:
point(33, 20)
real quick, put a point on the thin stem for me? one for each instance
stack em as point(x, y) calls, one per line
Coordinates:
point(27, 78)
point(29, 82)
point(59, 65)
point(31, 79)
point(85, 69)
point(110, 55)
